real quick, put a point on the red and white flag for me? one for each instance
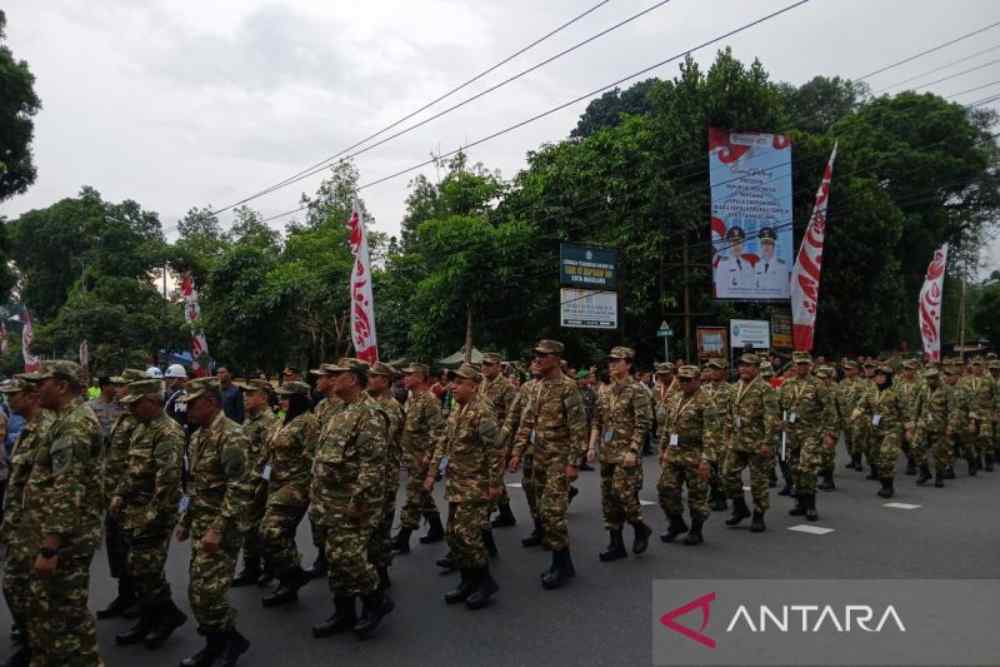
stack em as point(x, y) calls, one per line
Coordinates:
point(362, 301)
point(31, 362)
point(929, 305)
point(808, 265)
point(192, 315)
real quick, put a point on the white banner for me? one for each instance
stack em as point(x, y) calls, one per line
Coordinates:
point(588, 309)
point(929, 305)
point(362, 300)
point(809, 264)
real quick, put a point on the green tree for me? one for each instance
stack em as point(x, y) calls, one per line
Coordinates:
point(18, 106)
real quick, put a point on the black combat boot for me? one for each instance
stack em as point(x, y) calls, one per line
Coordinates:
point(887, 489)
point(484, 590)
point(938, 479)
point(319, 567)
point(717, 500)
point(694, 536)
point(374, 607)
point(126, 598)
point(925, 474)
point(856, 462)
point(137, 633)
point(973, 468)
point(563, 570)
point(401, 543)
point(535, 538)
point(989, 462)
point(810, 503)
point(800, 506)
point(573, 493)
point(827, 483)
point(949, 472)
point(740, 511)
point(505, 518)
point(491, 545)
point(466, 585)
point(384, 582)
point(167, 618)
point(250, 574)
point(447, 563)
point(344, 617)
point(640, 541)
point(872, 472)
point(616, 547)
point(435, 533)
point(757, 523)
point(787, 490)
point(911, 466)
point(215, 646)
point(288, 590)
point(677, 527)
point(236, 645)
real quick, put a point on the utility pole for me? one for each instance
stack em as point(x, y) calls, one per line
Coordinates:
point(687, 301)
point(468, 333)
point(961, 318)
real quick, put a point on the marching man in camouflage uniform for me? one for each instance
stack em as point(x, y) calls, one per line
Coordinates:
point(979, 390)
point(422, 427)
point(884, 413)
point(324, 411)
point(755, 418)
point(909, 389)
point(718, 428)
point(475, 474)
point(146, 503)
point(683, 459)
point(499, 391)
point(215, 516)
point(16, 531)
point(380, 378)
point(257, 427)
point(932, 427)
point(347, 494)
point(622, 419)
point(64, 501)
point(285, 467)
point(511, 425)
point(554, 429)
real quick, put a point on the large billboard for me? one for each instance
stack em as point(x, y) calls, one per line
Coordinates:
point(751, 181)
point(588, 309)
point(587, 267)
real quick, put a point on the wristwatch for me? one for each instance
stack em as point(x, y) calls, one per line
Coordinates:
point(46, 552)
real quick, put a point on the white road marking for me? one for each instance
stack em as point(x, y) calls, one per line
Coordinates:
point(811, 530)
point(902, 506)
point(514, 485)
point(646, 503)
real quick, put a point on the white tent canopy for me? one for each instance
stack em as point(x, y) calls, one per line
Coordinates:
point(455, 360)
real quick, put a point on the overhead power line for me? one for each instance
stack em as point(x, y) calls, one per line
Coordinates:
point(937, 69)
point(929, 51)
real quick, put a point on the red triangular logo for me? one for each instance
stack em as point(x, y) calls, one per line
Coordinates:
point(703, 603)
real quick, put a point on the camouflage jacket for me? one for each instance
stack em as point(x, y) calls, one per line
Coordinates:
point(394, 453)
point(807, 409)
point(885, 408)
point(288, 460)
point(553, 425)
point(107, 413)
point(421, 428)
point(348, 477)
point(116, 457)
point(683, 434)
point(475, 456)
point(980, 397)
point(960, 407)
point(258, 429)
point(500, 392)
point(756, 416)
point(220, 486)
point(622, 419)
point(932, 420)
point(327, 408)
point(910, 393)
point(151, 485)
point(718, 416)
point(63, 494)
point(16, 525)
point(512, 422)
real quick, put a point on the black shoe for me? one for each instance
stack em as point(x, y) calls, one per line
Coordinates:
point(168, 618)
point(800, 506)
point(740, 511)
point(137, 633)
point(249, 576)
point(938, 480)
point(345, 616)
point(989, 463)
point(374, 607)
point(717, 500)
point(589, 468)
point(466, 585)
point(401, 543)
point(694, 536)
point(677, 527)
point(436, 531)
point(872, 472)
point(949, 472)
point(925, 475)
point(491, 545)
point(215, 646)
point(21, 658)
point(911, 467)
point(563, 570)
point(640, 542)
point(484, 591)
point(535, 538)
point(288, 590)
point(319, 567)
point(384, 582)
point(810, 502)
point(236, 645)
point(972, 467)
point(265, 579)
point(125, 599)
point(616, 547)
point(887, 489)
point(827, 484)
point(446, 564)
point(786, 490)
point(757, 523)
point(856, 462)
point(505, 518)
point(573, 493)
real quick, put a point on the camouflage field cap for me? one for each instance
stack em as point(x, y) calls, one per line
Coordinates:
point(977, 361)
point(129, 375)
point(492, 358)
point(383, 369)
point(825, 372)
point(688, 372)
point(292, 388)
point(59, 368)
point(550, 347)
point(15, 385)
point(884, 369)
point(291, 370)
point(766, 370)
point(990, 356)
point(871, 363)
point(911, 364)
point(255, 384)
point(621, 352)
point(420, 369)
point(849, 363)
point(718, 363)
point(749, 359)
point(196, 388)
point(465, 372)
point(349, 364)
point(664, 368)
point(932, 373)
point(801, 357)
point(994, 363)
point(143, 388)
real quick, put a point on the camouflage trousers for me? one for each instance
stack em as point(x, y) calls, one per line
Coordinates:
point(528, 484)
point(715, 454)
point(61, 629)
point(17, 580)
point(115, 541)
point(888, 452)
point(253, 549)
point(147, 556)
point(620, 486)
point(351, 573)
point(551, 486)
point(379, 549)
point(806, 459)
point(760, 475)
point(861, 442)
point(209, 579)
point(418, 501)
point(466, 521)
point(318, 533)
point(827, 458)
point(982, 443)
point(937, 447)
point(276, 536)
point(681, 469)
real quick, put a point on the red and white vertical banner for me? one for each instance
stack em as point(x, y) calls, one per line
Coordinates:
point(362, 301)
point(808, 265)
point(929, 304)
point(31, 362)
point(192, 315)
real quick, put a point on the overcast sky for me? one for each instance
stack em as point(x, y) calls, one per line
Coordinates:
point(181, 104)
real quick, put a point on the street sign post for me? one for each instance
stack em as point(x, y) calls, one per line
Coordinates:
point(665, 332)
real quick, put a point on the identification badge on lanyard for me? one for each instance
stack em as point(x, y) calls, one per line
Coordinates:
point(187, 464)
point(184, 503)
point(792, 416)
point(609, 436)
point(675, 441)
point(739, 421)
point(876, 420)
point(266, 473)
point(531, 437)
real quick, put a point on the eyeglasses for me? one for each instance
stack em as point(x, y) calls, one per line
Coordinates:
point(537, 354)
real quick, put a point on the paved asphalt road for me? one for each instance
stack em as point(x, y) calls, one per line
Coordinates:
point(604, 616)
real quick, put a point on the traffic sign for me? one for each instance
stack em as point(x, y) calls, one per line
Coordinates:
point(664, 330)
